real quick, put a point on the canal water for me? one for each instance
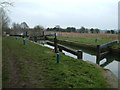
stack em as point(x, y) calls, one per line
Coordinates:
point(108, 62)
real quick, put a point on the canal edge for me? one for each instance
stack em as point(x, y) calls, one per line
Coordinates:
point(111, 79)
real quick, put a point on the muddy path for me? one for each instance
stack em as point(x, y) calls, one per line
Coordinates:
point(21, 74)
point(14, 71)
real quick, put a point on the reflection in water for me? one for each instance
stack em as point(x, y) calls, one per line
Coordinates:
point(107, 62)
point(111, 63)
point(113, 67)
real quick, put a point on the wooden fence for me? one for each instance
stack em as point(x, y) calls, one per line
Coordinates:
point(78, 53)
point(100, 52)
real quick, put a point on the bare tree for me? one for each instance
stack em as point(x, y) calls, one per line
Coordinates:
point(4, 19)
point(38, 31)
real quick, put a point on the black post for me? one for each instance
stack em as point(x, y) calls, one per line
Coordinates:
point(98, 54)
point(44, 36)
point(79, 54)
point(26, 33)
point(43, 33)
point(35, 38)
point(60, 49)
point(55, 43)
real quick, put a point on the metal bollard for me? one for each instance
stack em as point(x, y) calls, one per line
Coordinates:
point(58, 57)
point(24, 42)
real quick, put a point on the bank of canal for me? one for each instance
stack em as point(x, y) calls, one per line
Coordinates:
point(34, 66)
point(109, 61)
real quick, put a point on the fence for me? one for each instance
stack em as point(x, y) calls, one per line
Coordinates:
point(78, 53)
point(100, 52)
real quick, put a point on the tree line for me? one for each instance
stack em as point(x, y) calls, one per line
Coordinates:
point(73, 29)
point(111, 32)
point(81, 30)
point(57, 28)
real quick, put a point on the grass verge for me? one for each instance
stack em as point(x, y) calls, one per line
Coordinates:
point(90, 41)
point(35, 66)
point(117, 46)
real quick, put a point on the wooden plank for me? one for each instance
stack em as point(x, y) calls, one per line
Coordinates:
point(50, 43)
point(63, 48)
point(108, 44)
point(78, 53)
point(67, 49)
point(106, 63)
point(104, 53)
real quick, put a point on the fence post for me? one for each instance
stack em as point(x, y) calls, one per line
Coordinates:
point(55, 43)
point(60, 49)
point(98, 54)
point(26, 33)
point(44, 35)
point(98, 49)
point(35, 38)
point(79, 54)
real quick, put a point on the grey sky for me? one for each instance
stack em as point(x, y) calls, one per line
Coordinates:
point(101, 14)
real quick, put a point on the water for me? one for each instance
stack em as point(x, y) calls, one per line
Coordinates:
point(112, 66)
point(110, 63)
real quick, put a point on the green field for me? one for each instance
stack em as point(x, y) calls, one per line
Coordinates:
point(35, 66)
point(90, 41)
point(117, 46)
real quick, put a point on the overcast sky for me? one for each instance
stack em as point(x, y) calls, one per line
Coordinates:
point(102, 14)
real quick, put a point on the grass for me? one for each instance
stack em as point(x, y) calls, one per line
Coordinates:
point(117, 46)
point(90, 41)
point(86, 35)
point(36, 67)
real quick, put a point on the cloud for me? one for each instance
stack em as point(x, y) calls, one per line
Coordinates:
point(97, 13)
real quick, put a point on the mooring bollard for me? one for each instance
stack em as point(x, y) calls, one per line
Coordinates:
point(79, 54)
point(24, 42)
point(58, 57)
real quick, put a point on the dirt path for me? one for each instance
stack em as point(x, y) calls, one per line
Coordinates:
point(111, 78)
point(14, 79)
point(33, 78)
